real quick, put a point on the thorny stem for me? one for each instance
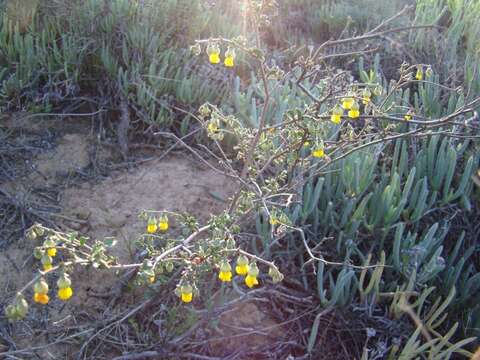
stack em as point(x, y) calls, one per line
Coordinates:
point(53, 269)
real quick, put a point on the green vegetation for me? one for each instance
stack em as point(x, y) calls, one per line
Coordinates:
point(373, 216)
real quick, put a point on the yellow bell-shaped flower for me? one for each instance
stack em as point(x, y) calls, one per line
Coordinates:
point(186, 293)
point(65, 293)
point(213, 52)
point(152, 226)
point(337, 114)
point(354, 111)
point(229, 58)
point(242, 265)
point(347, 102)
point(163, 223)
point(225, 273)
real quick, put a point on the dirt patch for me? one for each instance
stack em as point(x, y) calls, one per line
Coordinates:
point(176, 184)
point(110, 209)
point(246, 327)
point(71, 154)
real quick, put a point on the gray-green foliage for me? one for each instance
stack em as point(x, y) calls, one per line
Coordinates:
point(382, 206)
point(136, 52)
point(311, 20)
point(453, 46)
point(394, 206)
point(248, 103)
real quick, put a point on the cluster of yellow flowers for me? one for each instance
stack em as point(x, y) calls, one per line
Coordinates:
point(213, 51)
point(350, 103)
point(41, 289)
point(319, 152)
point(419, 73)
point(243, 268)
point(154, 225)
point(46, 253)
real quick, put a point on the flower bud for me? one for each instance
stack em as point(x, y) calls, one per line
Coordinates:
point(378, 90)
point(169, 266)
point(275, 274)
point(225, 266)
point(242, 260)
point(64, 281)
point(31, 234)
point(429, 72)
point(38, 253)
point(39, 230)
point(11, 312)
point(196, 49)
point(41, 286)
point(49, 242)
point(253, 270)
point(186, 288)
point(21, 306)
point(46, 259)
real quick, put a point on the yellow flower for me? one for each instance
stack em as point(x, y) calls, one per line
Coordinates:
point(366, 96)
point(241, 269)
point(251, 281)
point(229, 57)
point(151, 226)
point(337, 114)
point(214, 59)
point(408, 116)
point(242, 265)
point(52, 252)
point(47, 266)
point(187, 297)
point(213, 52)
point(151, 279)
point(41, 298)
point(273, 220)
point(212, 127)
point(318, 153)
point(225, 273)
point(186, 293)
point(228, 61)
point(40, 292)
point(65, 293)
point(336, 118)
point(225, 276)
point(348, 102)
point(354, 111)
point(419, 74)
point(353, 114)
point(163, 223)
